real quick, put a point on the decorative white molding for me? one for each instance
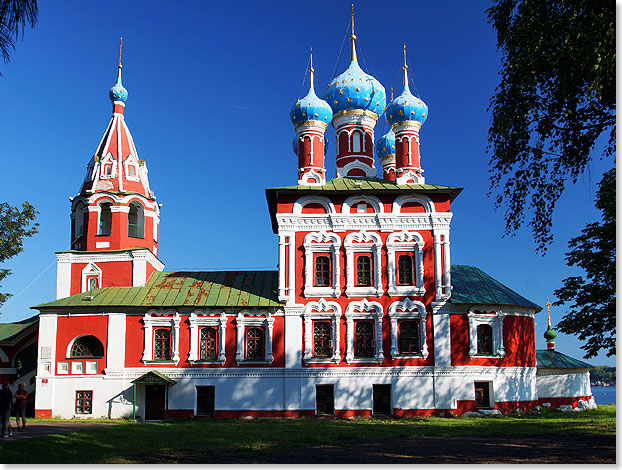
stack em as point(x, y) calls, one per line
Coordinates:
point(495, 320)
point(322, 242)
point(321, 310)
point(442, 265)
point(312, 199)
point(422, 199)
point(407, 310)
point(411, 242)
point(364, 310)
point(91, 270)
point(409, 177)
point(310, 177)
point(369, 199)
point(166, 319)
point(370, 171)
point(199, 318)
point(131, 161)
point(246, 319)
point(104, 257)
point(363, 242)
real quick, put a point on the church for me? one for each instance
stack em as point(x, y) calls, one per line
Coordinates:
point(364, 316)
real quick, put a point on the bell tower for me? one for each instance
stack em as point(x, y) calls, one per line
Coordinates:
point(115, 216)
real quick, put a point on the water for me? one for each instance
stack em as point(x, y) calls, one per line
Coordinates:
point(604, 395)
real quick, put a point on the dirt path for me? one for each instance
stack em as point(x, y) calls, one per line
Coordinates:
point(37, 429)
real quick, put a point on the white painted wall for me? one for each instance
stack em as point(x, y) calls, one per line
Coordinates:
point(563, 384)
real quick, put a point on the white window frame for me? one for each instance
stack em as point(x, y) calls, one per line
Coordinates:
point(495, 320)
point(91, 270)
point(363, 242)
point(102, 164)
point(410, 242)
point(200, 319)
point(247, 319)
point(408, 310)
point(364, 310)
point(321, 310)
point(161, 319)
point(131, 160)
point(322, 243)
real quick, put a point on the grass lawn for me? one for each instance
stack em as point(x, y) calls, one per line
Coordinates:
point(263, 440)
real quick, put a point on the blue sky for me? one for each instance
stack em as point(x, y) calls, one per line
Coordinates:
point(210, 87)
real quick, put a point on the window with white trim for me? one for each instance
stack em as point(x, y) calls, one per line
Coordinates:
point(408, 329)
point(364, 332)
point(322, 258)
point(136, 220)
point(254, 337)
point(105, 219)
point(207, 337)
point(321, 332)
point(363, 264)
point(405, 264)
point(161, 337)
point(486, 334)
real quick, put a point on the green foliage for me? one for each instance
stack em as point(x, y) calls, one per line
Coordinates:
point(13, 14)
point(603, 374)
point(593, 311)
point(556, 97)
point(15, 225)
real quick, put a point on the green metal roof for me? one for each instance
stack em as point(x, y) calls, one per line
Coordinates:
point(353, 185)
point(471, 285)
point(551, 359)
point(9, 330)
point(154, 377)
point(184, 289)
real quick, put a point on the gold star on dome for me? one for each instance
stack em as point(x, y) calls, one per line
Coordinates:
point(316, 114)
point(298, 105)
point(349, 100)
point(336, 101)
point(341, 92)
point(422, 114)
point(345, 81)
point(358, 89)
point(304, 114)
point(366, 98)
point(401, 112)
point(377, 103)
point(406, 102)
point(390, 116)
point(412, 112)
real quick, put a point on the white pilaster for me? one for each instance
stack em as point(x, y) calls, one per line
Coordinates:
point(115, 353)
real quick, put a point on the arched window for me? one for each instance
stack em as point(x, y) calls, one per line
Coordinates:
point(78, 220)
point(131, 171)
point(208, 346)
point(93, 283)
point(87, 346)
point(323, 273)
point(136, 220)
point(105, 218)
point(363, 271)
point(322, 339)
point(255, 344)
point(356, 142)
point(405, 270)
point(108, 169)
point(484, 339)
point(409, 337)
point(364, 344)
point(26, 360)
point(162, 345)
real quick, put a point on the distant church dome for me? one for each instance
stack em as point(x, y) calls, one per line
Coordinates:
point(406, 107)
point(386, 145)
point(118, 91)
point(311, 108)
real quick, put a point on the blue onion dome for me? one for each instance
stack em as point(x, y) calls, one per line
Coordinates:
point(311, 108)
point(354, 89)
point(386, 145)
point(118, 91)
point(406, 107)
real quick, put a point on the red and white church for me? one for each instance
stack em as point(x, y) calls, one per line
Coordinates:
point(365, 314)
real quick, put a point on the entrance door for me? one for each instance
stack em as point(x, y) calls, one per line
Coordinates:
point(155, 401)
point(324, 400)
point(382, 399)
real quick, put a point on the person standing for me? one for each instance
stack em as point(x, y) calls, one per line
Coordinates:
point(21, 400)
point(6, 397)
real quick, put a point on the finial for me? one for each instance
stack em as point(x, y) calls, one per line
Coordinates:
point(405, 67)
point(311, 69)
point(120, 51)
point(391, 92)
point(353, 38)
point(548, 310)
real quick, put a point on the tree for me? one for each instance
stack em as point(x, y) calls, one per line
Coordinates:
point(15, 225)
point(13, 14)
point(593, 313)
point(556, 98)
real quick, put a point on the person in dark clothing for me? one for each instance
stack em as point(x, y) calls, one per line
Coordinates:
point(6, 397)
point(21, 400)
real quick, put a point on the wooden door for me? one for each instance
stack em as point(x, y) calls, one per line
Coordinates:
point(155, 401)
point(382, 399)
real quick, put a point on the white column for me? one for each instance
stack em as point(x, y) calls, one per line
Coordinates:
point(46, 362)
point(293, 337)
point(63, 278)
point(222, 320)
point(438, 283)
point(269, 328)
point(239, 354)
point(115, 353)
point(442, 335)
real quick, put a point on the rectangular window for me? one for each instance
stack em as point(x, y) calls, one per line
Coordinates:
point(322, 339)
point(205, 400)
point(484, 339)
point(482, 395)
point(382, 399)
point(84, 402)
point(324, 400)
point(208, 344)
point(323, 272)
point(364, 343)
point(363, 271)
point(405, 270)
point(409, 337)
point(255, 344)
point(162, 345)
